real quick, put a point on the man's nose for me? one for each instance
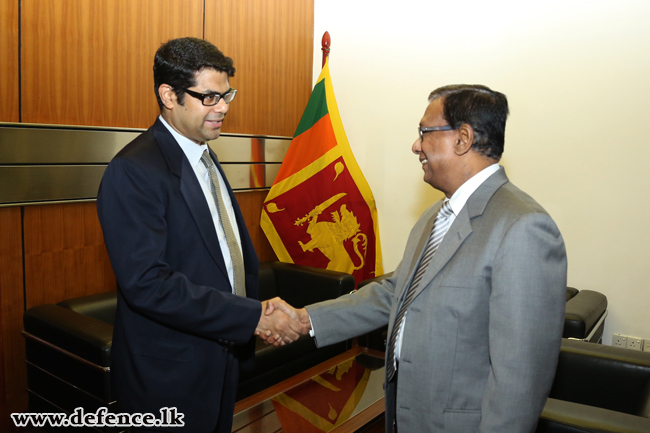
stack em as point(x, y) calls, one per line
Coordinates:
point(221, 106)
point(416, 146)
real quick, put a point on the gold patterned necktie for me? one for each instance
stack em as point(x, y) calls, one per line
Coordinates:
point(233, 246)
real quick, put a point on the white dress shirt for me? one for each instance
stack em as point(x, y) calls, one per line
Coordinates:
point(193, 153)
point(457, 201)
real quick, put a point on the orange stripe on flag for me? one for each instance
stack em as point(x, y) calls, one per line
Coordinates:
point(307, 148)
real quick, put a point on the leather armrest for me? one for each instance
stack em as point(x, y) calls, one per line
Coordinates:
point(582, 312)
point(571, 292)
point(304, 285)
point(83, 336)
point(101, 306)
point(566, 417)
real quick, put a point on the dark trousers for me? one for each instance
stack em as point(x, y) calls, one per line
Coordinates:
point(391, 408)
point(229, 390)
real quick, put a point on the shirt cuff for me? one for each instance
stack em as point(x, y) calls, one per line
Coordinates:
point(311, 331)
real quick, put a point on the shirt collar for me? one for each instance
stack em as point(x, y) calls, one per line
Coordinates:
point(462, 194)
point(192, 151)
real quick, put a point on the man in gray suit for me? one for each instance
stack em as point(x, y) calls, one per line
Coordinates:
point(475, 309)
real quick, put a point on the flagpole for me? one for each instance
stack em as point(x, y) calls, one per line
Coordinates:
point(325, 46)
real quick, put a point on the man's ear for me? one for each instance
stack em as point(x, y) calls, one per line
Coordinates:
point(465, 139)
point(167, 96)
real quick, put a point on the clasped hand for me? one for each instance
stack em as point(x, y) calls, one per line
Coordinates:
point(281, 324)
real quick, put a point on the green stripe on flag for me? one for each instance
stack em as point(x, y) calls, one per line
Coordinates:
point(316, 108)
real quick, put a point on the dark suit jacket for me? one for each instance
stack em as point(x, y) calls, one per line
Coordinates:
point(482, 336)
point(178, 325)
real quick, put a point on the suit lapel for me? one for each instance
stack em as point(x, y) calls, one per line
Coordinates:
point(456, 235)
point(419, 249)
point(191, 192)
point(459, 230)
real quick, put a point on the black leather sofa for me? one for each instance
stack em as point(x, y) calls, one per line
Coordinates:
point(584, 318)
point(598, 388)
point(68, 345)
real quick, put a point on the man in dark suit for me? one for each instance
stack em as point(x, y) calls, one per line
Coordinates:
point(185, 267)
point(475, 308)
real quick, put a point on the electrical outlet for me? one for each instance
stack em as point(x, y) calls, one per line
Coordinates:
point(619, 340)
point(646, 345)
point(634, 343)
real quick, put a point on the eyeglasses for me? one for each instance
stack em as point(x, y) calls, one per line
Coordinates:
point(422, 130)
point(210, 99)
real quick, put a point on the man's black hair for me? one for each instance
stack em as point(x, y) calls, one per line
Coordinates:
point(480, 107)
point(178, 60)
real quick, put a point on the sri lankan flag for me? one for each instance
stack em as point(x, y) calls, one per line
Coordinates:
point(320, 211)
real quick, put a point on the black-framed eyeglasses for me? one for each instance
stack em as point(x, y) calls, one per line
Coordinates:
point(210, 99)
point(424, 129)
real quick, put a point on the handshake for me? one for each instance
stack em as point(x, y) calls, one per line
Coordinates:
point(281, 324)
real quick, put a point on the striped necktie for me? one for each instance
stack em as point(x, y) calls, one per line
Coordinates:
point(233, 246)
point(440, 227)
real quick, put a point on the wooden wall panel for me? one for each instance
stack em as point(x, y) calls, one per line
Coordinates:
point(271, 43)
point(65, 255)
point(251, 203)
point(89, 62)
point(12, 360)
point(9, 61)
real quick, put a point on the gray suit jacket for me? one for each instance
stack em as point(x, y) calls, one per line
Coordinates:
point(482, 337)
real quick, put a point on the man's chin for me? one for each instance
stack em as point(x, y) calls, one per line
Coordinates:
point(212, 135)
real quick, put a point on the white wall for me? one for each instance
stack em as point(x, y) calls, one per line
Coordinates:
point(577, 77)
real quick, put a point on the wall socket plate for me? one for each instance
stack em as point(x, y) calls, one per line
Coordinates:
point(634, 343)
point(619, 340)
point(646, 345)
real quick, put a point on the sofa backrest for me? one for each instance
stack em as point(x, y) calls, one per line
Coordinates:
point(267, 282)
point(603, 376)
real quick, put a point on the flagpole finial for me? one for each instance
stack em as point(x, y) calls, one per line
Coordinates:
point(325, 46)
